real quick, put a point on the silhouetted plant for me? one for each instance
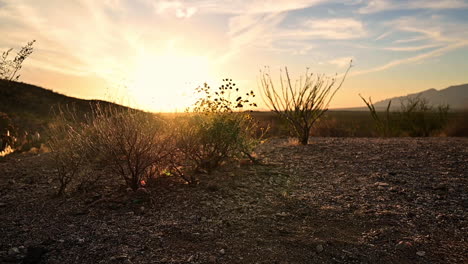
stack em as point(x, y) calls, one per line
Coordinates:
point(6, 132)
point(9, 69)
point(416, 118)
point(131, 142)
point(68, 151)
point(385, 127)
point(303, 103)
point(213, 131)
point(420, 119)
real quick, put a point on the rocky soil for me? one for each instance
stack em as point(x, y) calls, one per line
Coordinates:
point(336, 200)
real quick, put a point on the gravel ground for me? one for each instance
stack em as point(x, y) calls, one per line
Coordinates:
point(336, 200)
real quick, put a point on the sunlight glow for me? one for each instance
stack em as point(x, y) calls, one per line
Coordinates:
point(166, 82)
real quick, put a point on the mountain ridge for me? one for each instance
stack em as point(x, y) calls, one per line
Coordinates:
point(456, 96)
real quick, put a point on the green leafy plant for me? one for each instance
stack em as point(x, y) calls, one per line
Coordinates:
point(303, 103)
point(213, 131)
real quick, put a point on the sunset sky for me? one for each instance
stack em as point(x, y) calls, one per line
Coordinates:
point(152, 54)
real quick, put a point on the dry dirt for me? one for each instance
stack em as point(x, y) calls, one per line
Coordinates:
point(336, 200)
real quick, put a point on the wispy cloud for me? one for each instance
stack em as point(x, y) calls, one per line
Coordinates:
point(413, 48)
point(417, 58)
point(375, 6)
point(342, 62)
point(335, 28)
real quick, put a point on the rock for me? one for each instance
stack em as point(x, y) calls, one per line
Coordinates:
point(119, 257)
point(222, 251)
point(402, 245)
point(319, 248)
point(81, 240)
point(421, 253)
point(14, 251)
point(283, 214)
point(3, 205)
point(381, 184)
point(142, 191)
point(212, 259)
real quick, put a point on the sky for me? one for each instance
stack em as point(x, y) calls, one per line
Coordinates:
point(151, 54)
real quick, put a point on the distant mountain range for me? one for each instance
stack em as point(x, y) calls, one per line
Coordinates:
point(455, 96)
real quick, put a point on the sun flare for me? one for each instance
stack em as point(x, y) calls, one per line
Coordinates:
point(166, 82)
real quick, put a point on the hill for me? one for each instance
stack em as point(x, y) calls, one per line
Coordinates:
point(31, 107)
point(455, 96)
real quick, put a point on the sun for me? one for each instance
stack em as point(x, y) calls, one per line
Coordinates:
point(165, 82)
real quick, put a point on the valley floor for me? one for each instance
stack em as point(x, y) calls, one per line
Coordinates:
point(336, 200)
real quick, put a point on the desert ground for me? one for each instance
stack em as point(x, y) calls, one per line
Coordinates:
point(336, 200)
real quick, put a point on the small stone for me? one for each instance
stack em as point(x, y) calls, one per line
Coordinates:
point(222, 251)
point(13, 251)
point(402, 245)
point(22, 249)
point(81, 240)
point(212, 259)
point(421, 253)
point(319, 248)
point(3, 204)
point(382, 184)
point(61, 241)
point(142, 191)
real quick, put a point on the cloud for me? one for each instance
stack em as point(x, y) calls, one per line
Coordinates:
point(412, 48)
point(177, 8)
point(417, 58)
point(342, 62)
point(249, 7)
point(376, 6)
point(335, 28)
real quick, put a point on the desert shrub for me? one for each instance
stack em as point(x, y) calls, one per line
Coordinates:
point(419, 119)
point(131, 142)
point(385, 126)
point(68, 152)
point(303, 103)
point(457, 126)
point(9, 71)
point(9, 68)
point(6, 132)
point(213, 131)
point(416, 118)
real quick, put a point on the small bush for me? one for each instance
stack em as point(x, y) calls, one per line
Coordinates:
point(131, 142)
point(9, 68)
point(213, 132)
point(419, 119)
point(69, 153)
point(303, 103)
point(416, 118)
